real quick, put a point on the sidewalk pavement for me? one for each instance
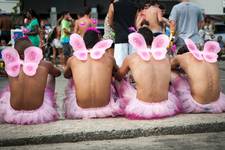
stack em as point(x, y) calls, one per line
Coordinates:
point(104, 129)
point(99, 129)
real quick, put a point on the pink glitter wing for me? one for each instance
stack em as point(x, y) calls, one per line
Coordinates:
point(78, 45)
point(33, 56)
point(138, 42)
point(159, 47)
point(211, 48)
point(144, 54)
point(81, 54)
point(99, 49)
point(12, 61)
point(77, 42)
point(193, 49)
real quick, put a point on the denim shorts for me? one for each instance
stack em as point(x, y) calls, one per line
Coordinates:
point(67, 49)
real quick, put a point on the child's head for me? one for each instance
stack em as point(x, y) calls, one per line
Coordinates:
point(147, 34)
point(91, 37)
point(66, 15)
point(21, 44)
point(31, 14)
point(182, 50)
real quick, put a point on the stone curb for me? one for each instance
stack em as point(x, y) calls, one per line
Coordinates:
point(116, 134)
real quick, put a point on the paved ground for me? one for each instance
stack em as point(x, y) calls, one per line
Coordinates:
point(206, 141)
point(111, 128)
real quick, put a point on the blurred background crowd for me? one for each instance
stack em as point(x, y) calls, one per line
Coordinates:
point(48, 24)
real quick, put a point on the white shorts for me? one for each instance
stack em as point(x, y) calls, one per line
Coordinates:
point(56, 43)
point(122, 50)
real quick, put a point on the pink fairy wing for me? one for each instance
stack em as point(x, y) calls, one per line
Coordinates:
point(159, 53)
point(97, 53)
point(103, 45)
point(144, 54)
point(159, 45)
point(30, 69)
point(193, 49)
point(99, 49)
point(137, 41)
point(210, 57)
point(211, 48)
point(13, 69)
point(81, 54)
point(77, 42)
point(161, 41)
point(33, 56)
point(12, 61)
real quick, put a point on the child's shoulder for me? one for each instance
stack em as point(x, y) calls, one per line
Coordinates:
point(45, 63)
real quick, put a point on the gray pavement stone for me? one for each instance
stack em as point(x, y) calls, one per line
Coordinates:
point(206, 141)
point(110, 128)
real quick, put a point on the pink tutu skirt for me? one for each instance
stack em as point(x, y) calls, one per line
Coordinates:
point(137, 109)
point(44, 114)
point(189, 105)
point(73, 111)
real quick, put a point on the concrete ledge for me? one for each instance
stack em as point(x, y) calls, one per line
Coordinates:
point(111, 128)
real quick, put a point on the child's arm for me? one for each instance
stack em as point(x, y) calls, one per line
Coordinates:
point(110, 15)
point(115, 71)
point(124, 69)
point(55, 72)
point(174, 62)
point(76, 27)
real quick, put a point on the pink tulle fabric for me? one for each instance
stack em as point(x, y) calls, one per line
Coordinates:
point(137, 109)
point(189, 105)
point(73, 111)
point(46, 113)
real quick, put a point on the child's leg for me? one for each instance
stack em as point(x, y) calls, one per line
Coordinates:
point(61, 56)
point(54, 55)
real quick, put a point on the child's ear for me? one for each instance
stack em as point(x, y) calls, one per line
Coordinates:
point(137, 41)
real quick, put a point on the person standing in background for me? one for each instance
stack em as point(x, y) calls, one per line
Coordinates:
point(83, 22)
point(185, 21)
point(209, 29)
point(108, 30)
point(5, 27)
point(33, 28)
point(141, 17)
point(165, 24)
point(123, 17)
point(155, 17)
point(66, 26)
